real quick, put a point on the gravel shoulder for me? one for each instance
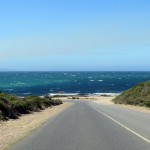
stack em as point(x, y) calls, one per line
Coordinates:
point(12, 131)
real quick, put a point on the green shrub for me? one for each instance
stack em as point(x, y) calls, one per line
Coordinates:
point(147, 103)
point(138, 95)
point(21, 106)
point(6, 108)
point(12, 107)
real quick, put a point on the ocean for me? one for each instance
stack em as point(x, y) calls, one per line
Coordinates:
point(43, 83)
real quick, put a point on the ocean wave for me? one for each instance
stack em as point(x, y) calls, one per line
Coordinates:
point(65, 94)
point(8, 89)
point(73, 75)
point(107, 94)
point(88, 94)
point(28, 93)
point(21, 83)
point(100, 80)
point(92, 80)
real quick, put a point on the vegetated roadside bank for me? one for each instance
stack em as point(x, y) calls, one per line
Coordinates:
point(32, 112)
point(12, 107)
point(138, 95)
point(14, 130)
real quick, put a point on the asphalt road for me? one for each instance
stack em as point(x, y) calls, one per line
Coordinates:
point(90, 126)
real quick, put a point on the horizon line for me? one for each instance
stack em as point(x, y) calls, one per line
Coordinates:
point(75, 71)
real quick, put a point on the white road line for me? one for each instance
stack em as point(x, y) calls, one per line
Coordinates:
point(135, 133)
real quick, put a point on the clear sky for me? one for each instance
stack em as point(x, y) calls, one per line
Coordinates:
point(75, 35)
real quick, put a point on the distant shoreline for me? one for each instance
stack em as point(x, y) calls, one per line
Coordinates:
point(80, 95)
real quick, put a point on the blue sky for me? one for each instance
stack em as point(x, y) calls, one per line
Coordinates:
point(91, 35)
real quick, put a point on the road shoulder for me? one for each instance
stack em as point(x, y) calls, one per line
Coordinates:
point(108, 101)
point(12, 131)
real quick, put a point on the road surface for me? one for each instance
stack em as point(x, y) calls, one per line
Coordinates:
point(90, 126)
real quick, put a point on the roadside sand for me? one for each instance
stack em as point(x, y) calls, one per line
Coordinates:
point(107, 101)
point(104, 100)
point(136, 108)
point(13, 130)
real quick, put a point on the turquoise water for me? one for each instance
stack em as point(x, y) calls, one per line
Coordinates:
point(41, 83)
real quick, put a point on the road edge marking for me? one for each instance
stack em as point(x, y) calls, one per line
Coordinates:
point(135, 133)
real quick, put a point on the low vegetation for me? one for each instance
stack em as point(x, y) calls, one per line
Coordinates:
point(138, 95)
point(12, 106)
point(74, 97)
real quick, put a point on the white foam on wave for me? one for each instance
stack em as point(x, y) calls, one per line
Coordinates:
point(100, 80)
point(21, 83)
point(92, 80)
point(8, 89)
point(107, 94)
point(27, 93)
point(64, 94)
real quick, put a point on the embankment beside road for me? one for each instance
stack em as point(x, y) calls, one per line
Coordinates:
point(12, 107)
point(13, 130)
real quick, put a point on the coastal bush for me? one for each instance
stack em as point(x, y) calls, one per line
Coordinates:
point(57, 96)
point(6, 108)
point(138, 95)
point(1, 115)
point(147, 103)
point(33, 104)
point(52, 101)
point(12, 107)
point(75, 97)
point(57, 102)
point(21, 106)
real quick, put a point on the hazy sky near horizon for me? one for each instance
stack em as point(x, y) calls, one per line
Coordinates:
point(91, 35)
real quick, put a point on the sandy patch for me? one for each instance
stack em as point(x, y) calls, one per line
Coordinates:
point(94, 98)
point(104, 100)
point(136, 108)
point(107, 101)
point(13, 130)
